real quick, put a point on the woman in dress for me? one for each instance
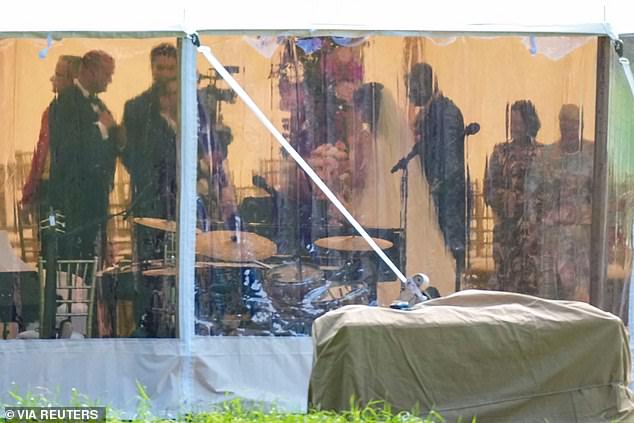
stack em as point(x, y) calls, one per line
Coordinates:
point(505, 193)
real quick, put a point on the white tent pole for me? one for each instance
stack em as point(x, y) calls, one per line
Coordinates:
point(206, 51)
point(187, 211)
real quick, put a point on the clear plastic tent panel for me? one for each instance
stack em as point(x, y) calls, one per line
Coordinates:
point(89, 168)
point(468, 159)
point(495, 135)
point(620, 187)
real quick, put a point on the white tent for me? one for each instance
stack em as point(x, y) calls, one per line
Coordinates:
point(273, 370)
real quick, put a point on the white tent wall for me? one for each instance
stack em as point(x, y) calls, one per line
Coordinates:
point(270, 371)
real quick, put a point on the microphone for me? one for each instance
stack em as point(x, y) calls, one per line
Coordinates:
point(402, 164)
point(472, 128)
point(260, 182)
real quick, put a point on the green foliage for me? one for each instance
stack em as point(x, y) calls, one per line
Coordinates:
point(238, 411)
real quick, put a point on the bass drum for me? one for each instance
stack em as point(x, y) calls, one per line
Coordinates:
point(288, 283)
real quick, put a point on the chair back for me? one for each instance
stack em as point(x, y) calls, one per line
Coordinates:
point(75, 287)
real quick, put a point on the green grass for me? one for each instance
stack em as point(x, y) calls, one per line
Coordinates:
point(233, 411)
point(237, 411)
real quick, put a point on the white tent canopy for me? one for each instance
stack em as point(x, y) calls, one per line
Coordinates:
point(597, 17)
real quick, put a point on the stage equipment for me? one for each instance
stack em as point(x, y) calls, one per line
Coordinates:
point(351, 243)
point(234, 246)
point(156, 223)
point(334, 295)
point(288, 283)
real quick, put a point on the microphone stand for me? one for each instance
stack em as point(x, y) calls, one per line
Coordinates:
point(402, 164)
point(402, 250)
point(404, 194)
point(463, 263)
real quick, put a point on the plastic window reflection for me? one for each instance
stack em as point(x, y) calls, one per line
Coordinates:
point(505, 207)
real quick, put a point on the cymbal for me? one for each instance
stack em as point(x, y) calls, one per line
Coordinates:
point(351, 243)
point(171, 270)
point(234, 246)
point(156, 223)
point(162, 271)
point(227, 264)
point(107, 271)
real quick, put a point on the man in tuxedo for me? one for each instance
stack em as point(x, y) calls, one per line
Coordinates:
point(83, 144)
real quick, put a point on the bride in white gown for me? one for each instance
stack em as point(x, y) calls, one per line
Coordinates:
point(380, 139)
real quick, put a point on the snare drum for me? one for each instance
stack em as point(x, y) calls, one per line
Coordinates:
point(288, 283)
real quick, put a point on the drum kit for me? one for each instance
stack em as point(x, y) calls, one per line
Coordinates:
point(243, 286)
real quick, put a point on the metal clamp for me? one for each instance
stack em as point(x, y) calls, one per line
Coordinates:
point(195, 39)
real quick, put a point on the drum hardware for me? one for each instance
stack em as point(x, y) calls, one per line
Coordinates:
point(203, 328)
point(231, 322)
point(264, 265)
point(164, 308)
point(359, 267)
point(227, 264)
point(329, 268)
point(334, 295)
point(172, 270)
point(287, 284)
point(222, 290)
point(168, 226)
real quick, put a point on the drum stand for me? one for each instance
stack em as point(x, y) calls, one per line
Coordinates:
point(402, 250)
point(367, 272)
point(164, 298)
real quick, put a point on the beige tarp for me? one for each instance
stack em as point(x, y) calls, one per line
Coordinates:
point(500, 356)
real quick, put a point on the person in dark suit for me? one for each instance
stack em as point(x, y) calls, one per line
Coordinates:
point(83, 143)
point(35, 187)
point(150, 152)
point(150, 155)
point(439, 131)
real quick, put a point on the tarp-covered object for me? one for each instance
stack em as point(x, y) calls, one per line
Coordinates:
point(499, 356)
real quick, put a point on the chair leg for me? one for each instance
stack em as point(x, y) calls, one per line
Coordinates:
point(91, 300)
